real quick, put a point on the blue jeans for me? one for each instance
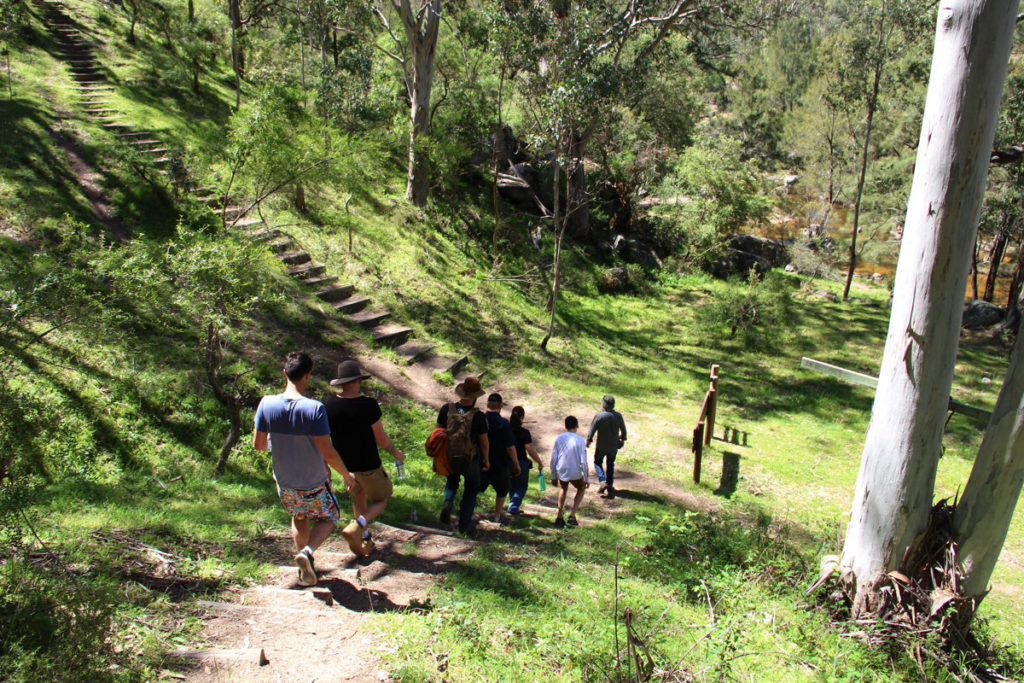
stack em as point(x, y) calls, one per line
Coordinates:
point(605, 476)
point(471, 487)
point(519, 486)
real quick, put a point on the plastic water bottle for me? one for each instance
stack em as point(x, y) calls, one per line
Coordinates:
point(540, 480)
point(399, 469)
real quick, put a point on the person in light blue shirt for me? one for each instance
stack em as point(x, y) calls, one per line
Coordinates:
point(296, 432)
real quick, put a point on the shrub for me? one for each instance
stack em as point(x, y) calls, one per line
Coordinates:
point(759, 310)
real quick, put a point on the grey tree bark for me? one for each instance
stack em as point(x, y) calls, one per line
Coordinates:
point(893, 494)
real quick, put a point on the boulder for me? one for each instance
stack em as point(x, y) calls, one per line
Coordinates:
point(771, 251)
point(615, 280)
point(738, 262)
point(980, 313)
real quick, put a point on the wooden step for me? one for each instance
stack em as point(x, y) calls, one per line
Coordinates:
point(133, 134)
point(246, 222)
point(264, 235)
point(391, 335)
point(352, 304)
point(282, 245)
point(322, 281)
point(296, 258)
point(155, 150)
point(450, 364)
point(97, 112)
point(413, 350)
point(369, 319)
point(307, 270)
point(336, 293)
point(141, 142)
point(253, 655)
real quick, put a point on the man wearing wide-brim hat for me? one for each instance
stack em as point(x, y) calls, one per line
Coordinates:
point(356, 432)
point(450, 414)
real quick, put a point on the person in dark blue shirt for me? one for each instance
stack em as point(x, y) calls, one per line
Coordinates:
point(502, 444)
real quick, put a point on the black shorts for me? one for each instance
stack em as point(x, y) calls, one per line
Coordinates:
point(500, 481)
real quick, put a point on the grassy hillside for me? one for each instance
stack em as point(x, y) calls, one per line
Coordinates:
point(109, 430)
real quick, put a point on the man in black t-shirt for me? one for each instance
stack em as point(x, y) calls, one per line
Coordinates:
point(468, 392)
point(503, 457)
point(356, 431)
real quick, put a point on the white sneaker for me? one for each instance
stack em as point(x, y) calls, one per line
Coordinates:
point(307, 573)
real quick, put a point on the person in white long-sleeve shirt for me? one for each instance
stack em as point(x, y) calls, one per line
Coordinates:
point(569, 466)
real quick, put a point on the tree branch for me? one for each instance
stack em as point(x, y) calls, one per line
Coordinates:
point(277, 187)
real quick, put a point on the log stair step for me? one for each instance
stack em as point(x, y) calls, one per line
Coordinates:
point(97, 112)
point(155, 150)
point(391, 335)
point(296, 258)
point(140, 143)
point(268, 234)
point(411, 351)
point(369, 319)
point(307, 270)
point(132, 133)
point(282, 245)
point(321, 281)
point(246, 222)
point(254, 655)
point(352, 304)
point(336, 293)
point(440, 363)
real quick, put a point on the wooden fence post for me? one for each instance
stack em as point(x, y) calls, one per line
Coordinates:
point(698, 450)
point(712, 405)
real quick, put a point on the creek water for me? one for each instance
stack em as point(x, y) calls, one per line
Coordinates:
point(883, 256)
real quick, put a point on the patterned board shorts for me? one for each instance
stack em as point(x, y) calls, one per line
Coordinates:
point(318, 504)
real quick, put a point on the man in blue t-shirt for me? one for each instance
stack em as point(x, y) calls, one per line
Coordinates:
point(502, 457)
point(295, 430)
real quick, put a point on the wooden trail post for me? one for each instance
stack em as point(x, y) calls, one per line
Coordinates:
point(705, 423)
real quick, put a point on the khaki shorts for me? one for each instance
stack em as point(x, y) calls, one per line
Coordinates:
point(376, 484)
point(578, 483)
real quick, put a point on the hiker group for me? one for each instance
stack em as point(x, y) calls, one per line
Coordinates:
point(470, 448)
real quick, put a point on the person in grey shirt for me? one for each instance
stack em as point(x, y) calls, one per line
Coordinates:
point(610, 430)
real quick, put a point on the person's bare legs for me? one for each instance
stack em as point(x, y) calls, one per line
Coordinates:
point(303, 535)
point(561, 500)
point(499, 505)
point(578, 499)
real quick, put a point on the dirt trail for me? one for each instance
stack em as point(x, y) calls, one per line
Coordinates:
point(305, 634)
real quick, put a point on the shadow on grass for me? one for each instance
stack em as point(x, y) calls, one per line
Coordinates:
point(35, 166)
point(730, 475)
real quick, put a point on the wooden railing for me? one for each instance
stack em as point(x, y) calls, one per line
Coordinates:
point(705, 423)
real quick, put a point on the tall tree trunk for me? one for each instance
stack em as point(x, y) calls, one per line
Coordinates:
point(559, 225)
point(985, 510)
point(994, 257)
point(974, 269)
point(577, 200)
point(421, 30)
point(893, 494)
point(1017, 279)
point(872, 105)
point(499, 153)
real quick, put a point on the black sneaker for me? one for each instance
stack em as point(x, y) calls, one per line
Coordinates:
point(572, 521)
point(601, 488)
point(307, 572)
point(559, 523)
point(446, 513)
point(610, 493)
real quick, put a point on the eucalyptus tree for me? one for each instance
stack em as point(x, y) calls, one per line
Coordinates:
point(414, 49)
point(874, 35)
point(596, 54)
point(892, 506)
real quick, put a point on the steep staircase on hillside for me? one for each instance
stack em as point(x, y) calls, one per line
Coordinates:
point(95, 91)
point(94, 88)
point(356, 308)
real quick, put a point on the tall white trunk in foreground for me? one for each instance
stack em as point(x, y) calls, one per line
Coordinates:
point(895, 485)
point(985, 510)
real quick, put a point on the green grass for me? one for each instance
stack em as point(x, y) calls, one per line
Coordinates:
point(125, 431)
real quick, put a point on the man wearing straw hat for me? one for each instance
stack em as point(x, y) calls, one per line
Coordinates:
point(463, 411)
point(356, 432)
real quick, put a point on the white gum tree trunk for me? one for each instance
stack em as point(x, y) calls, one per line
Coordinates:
point(421, 29)
point(985, 510)
point(894, 489)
